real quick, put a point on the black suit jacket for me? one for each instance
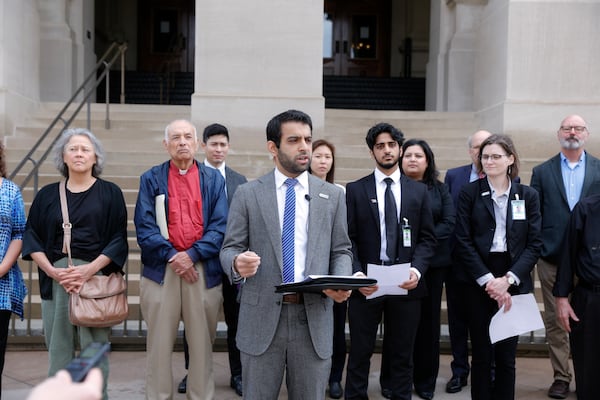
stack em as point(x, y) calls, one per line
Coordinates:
point(364, 231)
point(233, 179)
point(547, 180)
point(475, 226)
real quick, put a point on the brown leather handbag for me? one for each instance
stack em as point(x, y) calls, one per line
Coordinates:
point(102, 300)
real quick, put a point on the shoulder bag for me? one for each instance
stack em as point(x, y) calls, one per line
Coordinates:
point(102, 300)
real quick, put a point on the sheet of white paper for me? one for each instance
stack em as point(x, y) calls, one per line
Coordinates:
point(388, 278)
point(524, 316)
point(161, 215)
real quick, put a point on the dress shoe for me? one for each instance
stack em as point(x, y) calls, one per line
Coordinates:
point(182, 388)
point(236, 384)
point(456, 384)
point(559, 389)
point(425, 394)
point(335, 390)
point(387, 393)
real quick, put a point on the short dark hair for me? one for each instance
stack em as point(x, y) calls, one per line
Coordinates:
point(214, 129)
point(431, 173)
point(274, 125)
point(508, 146)
point(380, 128)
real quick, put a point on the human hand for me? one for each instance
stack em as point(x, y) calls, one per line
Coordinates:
point(412, 281)
point(61, 387)
point(497, 287)
point(246, 263)
point(564, 312)
point(504, 300)
point(183, 266)
point(339, 296)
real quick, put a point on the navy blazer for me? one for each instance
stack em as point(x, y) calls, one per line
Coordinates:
point(547, 180)
point(365, 233)
point(455, 179)
point(475, 226)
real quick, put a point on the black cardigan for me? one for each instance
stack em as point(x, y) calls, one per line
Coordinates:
point(45, 218)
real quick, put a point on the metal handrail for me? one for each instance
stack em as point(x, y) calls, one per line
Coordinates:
point(104, 62)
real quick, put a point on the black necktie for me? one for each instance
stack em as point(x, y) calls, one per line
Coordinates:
point(391, 221)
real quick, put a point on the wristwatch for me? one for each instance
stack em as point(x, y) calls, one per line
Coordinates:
point(511, 280)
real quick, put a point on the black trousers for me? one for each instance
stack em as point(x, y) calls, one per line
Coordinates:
point(4, 323)
point(485, 354)
point(338, 359)
point(426, 353)
point(585, 346)
point(401, 318)
point(457, 303)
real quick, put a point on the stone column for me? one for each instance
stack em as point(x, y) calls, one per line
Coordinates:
point(462, 55)
point(256, 59)
point(56, 51)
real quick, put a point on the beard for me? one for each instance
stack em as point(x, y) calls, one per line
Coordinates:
point(388, 164)
point(571, 143)
point(290, 165)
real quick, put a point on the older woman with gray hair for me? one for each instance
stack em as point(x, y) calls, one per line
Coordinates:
point(99, 241)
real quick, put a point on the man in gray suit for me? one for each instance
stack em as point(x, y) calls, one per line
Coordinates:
point(561, 182)
point(289, 333)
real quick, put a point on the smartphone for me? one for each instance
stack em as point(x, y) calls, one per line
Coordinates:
point(88, 358)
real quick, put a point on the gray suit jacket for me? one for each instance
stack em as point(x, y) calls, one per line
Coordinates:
point(547, 180)
point(254, 224)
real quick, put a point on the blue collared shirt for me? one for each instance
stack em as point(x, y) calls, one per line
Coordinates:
point(572, 175)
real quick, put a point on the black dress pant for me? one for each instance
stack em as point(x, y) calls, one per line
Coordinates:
point(503, 353)
point(401, 318)
point(338, 359)
point(585, 346)
point(4, 323)
point(457, 303)
point(426, 354)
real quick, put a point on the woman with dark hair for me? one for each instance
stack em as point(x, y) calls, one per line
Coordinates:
point(498, 241)
point(418, 163)
point(12, 226)
point(322, 165)
point(99, 241)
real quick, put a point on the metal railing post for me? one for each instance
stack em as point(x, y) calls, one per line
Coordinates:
point(122, 50)
point(107, 86)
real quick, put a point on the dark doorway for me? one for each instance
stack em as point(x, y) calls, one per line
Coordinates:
point(166, 30)
point(356, 38)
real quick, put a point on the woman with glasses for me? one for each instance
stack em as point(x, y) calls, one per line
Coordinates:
point(498, 241)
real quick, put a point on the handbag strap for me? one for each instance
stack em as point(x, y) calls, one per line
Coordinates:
point(66, 223)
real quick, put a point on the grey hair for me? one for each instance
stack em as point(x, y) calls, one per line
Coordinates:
point(168, 127)
point(59, 151)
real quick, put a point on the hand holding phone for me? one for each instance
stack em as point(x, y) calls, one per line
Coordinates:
point(88, 358)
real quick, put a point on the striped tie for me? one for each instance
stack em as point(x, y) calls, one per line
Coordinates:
point(287, 234)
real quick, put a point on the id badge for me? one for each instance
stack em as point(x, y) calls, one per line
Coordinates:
point(518, 209)
point(406, 241)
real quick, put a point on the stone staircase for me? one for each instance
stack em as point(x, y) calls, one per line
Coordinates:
point(134, 143)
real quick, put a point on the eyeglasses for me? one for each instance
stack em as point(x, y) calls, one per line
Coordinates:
point(578, 129)
point(494, 157)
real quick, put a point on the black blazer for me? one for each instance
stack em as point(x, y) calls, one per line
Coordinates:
point(547, 180)
point(444, 219)
point(233, 179)
point(364, 231)
point(475, 225)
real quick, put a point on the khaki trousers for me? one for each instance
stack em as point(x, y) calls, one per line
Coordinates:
point(163, 306)
point(557, 338)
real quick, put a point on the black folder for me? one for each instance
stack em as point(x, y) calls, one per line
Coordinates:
point(317, 283)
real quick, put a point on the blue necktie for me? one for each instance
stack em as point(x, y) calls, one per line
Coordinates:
point(287, 233)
